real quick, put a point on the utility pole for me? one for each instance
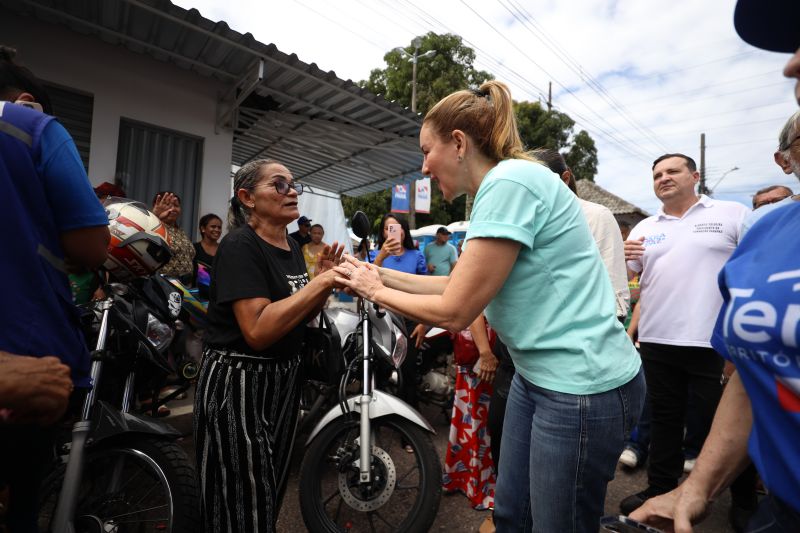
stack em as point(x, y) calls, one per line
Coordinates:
point(549, 96)
point(416, 43)
point(703, 189)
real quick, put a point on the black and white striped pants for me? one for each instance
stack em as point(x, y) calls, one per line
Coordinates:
point(245, 418)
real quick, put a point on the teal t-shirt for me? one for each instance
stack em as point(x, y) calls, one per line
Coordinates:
point(441, 257)
point(556, 311)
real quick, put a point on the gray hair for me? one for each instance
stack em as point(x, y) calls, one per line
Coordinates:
point(771, 188)
point(247, 177)
point(788, 134)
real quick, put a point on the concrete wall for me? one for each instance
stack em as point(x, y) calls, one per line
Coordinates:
point(130, 85)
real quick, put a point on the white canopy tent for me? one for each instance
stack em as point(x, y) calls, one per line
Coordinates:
point(325, 208)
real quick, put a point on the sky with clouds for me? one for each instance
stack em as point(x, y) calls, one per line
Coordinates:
point(642, 77)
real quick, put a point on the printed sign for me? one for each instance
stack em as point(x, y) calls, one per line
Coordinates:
point(423, 198)
point(400, 198)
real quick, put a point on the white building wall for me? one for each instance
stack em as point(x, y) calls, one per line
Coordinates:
point(130, 85)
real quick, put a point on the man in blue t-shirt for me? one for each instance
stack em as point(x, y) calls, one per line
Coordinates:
point(758, 329)
point(440, 255)
point(56, 225)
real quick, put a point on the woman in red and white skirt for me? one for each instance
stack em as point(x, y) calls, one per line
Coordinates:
point(468, 464)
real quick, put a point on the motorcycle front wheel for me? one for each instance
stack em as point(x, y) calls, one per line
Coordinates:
point(405, 490)
point(143, 485)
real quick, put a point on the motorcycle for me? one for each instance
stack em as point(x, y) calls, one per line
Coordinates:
point(435, 367)
point(120, 470)
point(356, 474)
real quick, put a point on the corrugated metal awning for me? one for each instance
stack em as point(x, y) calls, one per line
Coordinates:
point(331, 133)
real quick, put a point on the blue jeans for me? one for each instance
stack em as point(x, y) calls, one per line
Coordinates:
point(559, 453)
point(640, 437)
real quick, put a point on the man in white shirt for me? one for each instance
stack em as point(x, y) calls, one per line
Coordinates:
point(679, 253)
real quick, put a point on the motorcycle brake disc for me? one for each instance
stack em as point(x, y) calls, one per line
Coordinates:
point(384, 479)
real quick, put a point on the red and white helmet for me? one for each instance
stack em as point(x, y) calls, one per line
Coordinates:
point(139, 241)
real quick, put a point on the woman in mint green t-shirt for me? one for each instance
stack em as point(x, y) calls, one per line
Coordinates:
point(530, 261)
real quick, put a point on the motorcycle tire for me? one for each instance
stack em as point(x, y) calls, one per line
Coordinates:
point(329, 474)
point(154, 474)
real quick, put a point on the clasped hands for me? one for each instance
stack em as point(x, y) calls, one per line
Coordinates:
point(358, 277)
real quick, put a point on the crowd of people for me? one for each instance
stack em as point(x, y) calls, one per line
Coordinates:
point(615, 345)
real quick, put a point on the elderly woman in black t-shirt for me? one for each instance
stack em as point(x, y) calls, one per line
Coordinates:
point(247, 397)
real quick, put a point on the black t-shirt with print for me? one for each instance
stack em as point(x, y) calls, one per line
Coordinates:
point(246, 266)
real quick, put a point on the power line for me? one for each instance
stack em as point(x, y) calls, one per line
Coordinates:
point(683, 102)
point(721, 113)
point(740, 143)
point(373, 43)
point(642, 79)
point(729, 126)
point(576, 67)
point(533, 61)
point(499, 67)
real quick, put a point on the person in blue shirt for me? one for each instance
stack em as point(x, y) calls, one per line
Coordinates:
point(402, 255)
point(440, 255)
point(57, 225)
point(758, 329)
point(398, 254)
point(530, 261)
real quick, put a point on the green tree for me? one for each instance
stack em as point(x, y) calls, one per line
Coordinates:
point(540, 128)
point(377, 204)
point(449, 70)
point(374, 205)
point(582, 156)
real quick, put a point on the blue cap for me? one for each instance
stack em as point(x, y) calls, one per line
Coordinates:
point(773, 25)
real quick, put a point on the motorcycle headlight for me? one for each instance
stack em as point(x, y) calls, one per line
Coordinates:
point(400, 347)
point(158, 333)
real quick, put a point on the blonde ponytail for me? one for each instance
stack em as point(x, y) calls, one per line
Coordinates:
point(486, 115)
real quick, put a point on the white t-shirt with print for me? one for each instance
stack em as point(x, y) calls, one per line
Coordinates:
point(680, 297)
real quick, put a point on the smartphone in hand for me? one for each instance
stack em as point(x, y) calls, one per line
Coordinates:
point(393, 230)
point(623, 524)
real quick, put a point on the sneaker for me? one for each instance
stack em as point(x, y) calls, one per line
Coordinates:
point(688, 465)
point(634, 501)
point(629, 458)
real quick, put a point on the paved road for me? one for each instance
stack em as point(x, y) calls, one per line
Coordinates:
point(455, 515)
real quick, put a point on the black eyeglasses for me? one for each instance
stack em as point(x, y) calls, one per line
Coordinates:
point(283, 187)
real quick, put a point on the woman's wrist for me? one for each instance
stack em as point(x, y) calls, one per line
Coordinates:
point(382, 272)
point(378, 296)
point(327, 279)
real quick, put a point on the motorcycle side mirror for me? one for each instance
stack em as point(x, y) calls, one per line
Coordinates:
point(360, 224)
